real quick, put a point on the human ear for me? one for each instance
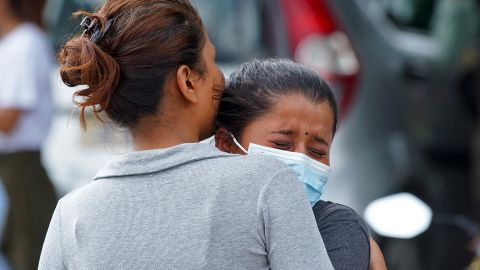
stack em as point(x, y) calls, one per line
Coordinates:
point(223, 140)
point(186, 84)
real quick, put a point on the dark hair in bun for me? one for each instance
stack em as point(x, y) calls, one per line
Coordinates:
point(123, 73)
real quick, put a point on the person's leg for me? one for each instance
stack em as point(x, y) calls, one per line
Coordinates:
point(32, 201)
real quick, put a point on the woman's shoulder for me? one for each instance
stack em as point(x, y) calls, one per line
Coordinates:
point(249, 176)
point(330, 213)
point(254, 172)
point(205, 163)
point(327, 208)
point(260, 163)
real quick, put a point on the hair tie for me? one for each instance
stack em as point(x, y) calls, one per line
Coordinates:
point(93, 28)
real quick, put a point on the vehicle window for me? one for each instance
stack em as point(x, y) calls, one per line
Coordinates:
point(58, 18)
point(431, 16)
point(236, 27)
point(412, 14)
point(421, 14)
point(452, 24)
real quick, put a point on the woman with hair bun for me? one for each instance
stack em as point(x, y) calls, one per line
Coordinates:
point(172, 203)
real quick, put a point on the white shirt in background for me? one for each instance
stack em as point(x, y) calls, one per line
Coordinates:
point(25, 65)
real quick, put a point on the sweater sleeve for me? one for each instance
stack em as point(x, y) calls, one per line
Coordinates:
point(52, 251)
point(288, 227)
point(345, 235)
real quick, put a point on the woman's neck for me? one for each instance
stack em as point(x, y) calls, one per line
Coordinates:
point(150, 134)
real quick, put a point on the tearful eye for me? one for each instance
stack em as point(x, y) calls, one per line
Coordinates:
point(281, 145)
point(317, 153)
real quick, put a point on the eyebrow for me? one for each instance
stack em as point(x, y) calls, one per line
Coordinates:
point(321, 141)
point(283, 132)
point(289, 133)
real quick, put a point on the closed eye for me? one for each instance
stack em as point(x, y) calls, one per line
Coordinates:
point(317, 153)
point(281, 145)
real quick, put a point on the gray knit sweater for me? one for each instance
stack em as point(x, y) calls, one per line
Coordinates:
point(186, 207)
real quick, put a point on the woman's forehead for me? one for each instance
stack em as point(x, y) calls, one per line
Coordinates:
point(298, 115)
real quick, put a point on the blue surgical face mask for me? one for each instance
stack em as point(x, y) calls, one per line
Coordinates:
point(313, 174)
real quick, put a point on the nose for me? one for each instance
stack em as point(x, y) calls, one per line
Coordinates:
point(300, 148)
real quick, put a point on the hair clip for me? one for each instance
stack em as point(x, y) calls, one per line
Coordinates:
point(91, 27)
point(86, 24)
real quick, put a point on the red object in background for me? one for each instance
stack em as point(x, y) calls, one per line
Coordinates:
point(305, 17)
point(317, 42)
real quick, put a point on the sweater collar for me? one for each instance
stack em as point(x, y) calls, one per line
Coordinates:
point(151, 161)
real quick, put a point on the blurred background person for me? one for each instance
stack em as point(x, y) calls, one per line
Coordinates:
point(25, 115)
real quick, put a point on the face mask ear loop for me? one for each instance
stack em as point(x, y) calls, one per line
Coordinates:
point(238, 144)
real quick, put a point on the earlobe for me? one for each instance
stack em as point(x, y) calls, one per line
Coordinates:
point(185, 85)
point(223, 141)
